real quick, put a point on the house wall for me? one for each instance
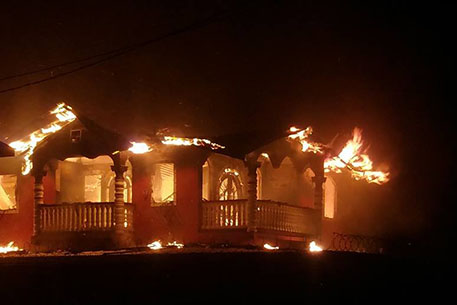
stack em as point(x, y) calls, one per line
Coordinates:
point(360, 209)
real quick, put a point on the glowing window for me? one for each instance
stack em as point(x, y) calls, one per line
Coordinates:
point(229, 185)
point(163, 184)
point(92, 188)
point(8, 185)
point(329, 198)
point(205, 182)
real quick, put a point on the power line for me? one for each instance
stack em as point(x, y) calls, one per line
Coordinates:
point(110, 54)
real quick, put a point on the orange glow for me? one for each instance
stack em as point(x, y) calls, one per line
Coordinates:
point(140, 148)
point(302, 136)
point(313, 247)
point(171, 140)
point(9, 248)
point(63, 115)
point(270, 247)
point(358, 163)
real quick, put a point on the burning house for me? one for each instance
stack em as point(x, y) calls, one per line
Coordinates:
point(75, 185)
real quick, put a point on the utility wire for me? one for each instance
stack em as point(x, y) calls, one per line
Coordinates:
point(111, 54)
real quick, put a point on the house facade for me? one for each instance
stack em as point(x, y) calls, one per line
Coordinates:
point(87, 190)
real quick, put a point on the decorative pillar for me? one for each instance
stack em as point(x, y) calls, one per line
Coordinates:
point(38, 199)
point(252, 193)
point(119, 209)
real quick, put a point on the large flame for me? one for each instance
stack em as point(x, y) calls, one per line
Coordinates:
point(358, 163)
point(64, 116)
point(9, 248)
point(302, 135)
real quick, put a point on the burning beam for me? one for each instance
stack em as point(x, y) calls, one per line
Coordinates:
point(171, 140)
point(64, 116)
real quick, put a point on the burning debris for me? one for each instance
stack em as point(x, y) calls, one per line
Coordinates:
point(270, 247)
point(64, 116)
point(157, 245)
point(313, 247)
point(9, 248)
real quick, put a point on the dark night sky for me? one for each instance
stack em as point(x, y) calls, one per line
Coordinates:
point(266, 64)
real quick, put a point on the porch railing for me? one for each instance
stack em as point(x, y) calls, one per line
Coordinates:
point(270, 215)
point(82, 216)
point(224, 214)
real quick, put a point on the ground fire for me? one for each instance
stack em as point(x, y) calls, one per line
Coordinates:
point(9, 248)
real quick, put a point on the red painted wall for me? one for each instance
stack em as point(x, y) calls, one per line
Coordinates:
point(18, 227)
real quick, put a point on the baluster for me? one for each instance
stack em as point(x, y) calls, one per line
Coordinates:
point(110, 219)
point(89, 217)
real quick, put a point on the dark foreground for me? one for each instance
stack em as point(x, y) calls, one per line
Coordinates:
point(213, 278)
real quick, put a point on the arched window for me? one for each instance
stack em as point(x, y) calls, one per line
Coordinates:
point(127, 189)
point(329, 198)
point(229, 185)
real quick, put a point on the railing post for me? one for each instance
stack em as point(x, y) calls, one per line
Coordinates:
point(252, 166)
point(38, 199)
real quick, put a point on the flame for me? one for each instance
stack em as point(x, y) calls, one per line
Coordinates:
point(175, 244)
point(270, 247)
point(9, 248)
point(359, 164)
point(313, 247)
point(171, 140)
point(302, 135)
point(63, 115)
point(140, 148)
point(156, 245)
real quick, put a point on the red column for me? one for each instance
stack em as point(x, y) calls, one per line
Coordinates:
point(188, 198)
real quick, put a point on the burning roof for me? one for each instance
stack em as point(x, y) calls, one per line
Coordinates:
point(47, 143)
